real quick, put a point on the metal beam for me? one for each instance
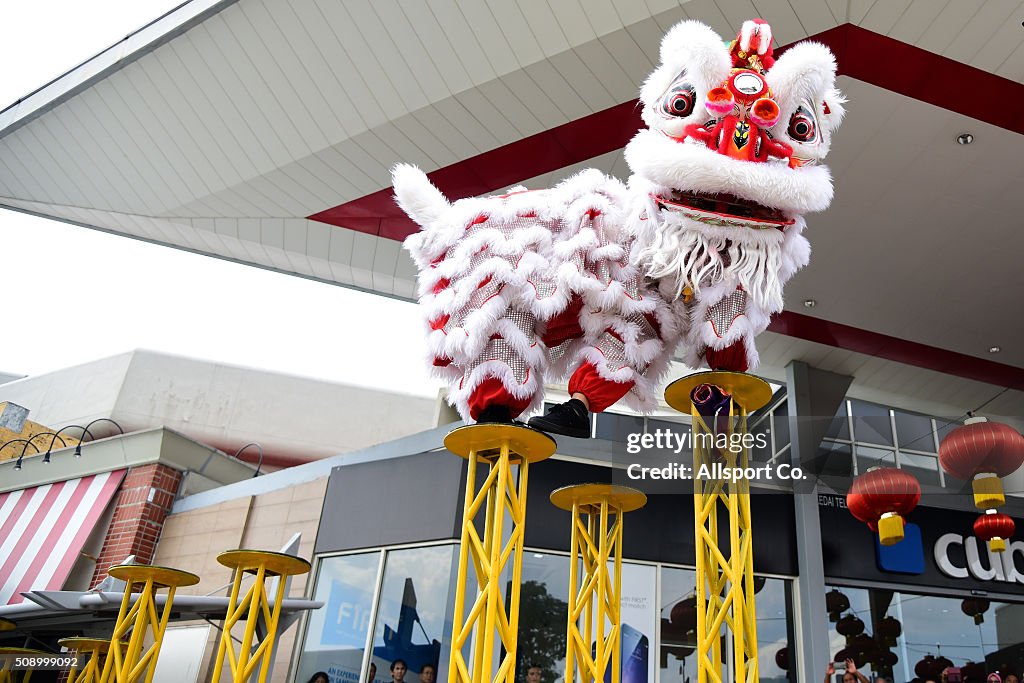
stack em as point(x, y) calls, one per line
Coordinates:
point(811, 394)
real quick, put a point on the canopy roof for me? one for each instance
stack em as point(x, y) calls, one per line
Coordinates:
point(263, 132)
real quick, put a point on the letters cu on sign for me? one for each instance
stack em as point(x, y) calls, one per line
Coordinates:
point(1000, 566)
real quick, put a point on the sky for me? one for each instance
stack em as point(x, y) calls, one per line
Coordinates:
point(73, 295)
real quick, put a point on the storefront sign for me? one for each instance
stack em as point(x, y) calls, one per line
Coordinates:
point(949, 556)
point(979, 562)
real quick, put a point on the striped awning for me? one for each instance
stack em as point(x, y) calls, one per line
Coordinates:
point(43, 530)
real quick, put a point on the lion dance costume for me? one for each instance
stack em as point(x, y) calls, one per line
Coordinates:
point(600, 281)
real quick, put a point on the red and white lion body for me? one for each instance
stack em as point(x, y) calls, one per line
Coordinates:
point(602, 281)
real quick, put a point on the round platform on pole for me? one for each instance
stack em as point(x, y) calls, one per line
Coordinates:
point(7, 625)
point(748, 391)
point(276, 564)
point(590, 496)
point(486, 440)
point(163, 577)
point(86, 644)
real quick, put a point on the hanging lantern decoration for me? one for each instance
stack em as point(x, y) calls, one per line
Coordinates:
point(889, 629)
point(931, 667)
point(782, 658)
point(994, 527)
point(863, 647)
point(981, 452)
point(975, 607)
point(835, 604)
point(759, 582)
point(887, 659)
point(684, 615)
point(882, 497)
point(849, 626)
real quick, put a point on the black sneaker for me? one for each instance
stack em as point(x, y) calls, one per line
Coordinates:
point(495, 414)
point(568, 419)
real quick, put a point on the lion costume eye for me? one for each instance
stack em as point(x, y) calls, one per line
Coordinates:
point(679, 100)
point(802, 126)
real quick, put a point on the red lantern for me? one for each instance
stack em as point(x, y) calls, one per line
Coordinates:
point(782, 658)
point(684, 615)
point(835, 604)
point(889, 629)
point(882, 497)
point(887, 658)
point(849, 626)
point(981, 452)
point(994, 527)
point(975, 607)
point(931, 667)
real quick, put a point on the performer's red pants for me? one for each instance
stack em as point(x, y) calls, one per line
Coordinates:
point(601, 393)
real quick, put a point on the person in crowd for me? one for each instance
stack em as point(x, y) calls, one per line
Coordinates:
point(428, 674)
point(994, 678)
point(398, 669)
point(373, 672)
point(882, 679)
point(1011, 678)
point(533, 674)
point(851, 675)
point(320, 677)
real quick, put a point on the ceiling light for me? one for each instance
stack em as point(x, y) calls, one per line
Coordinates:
point(810, 303)
point(995, 349)
point(964, 139)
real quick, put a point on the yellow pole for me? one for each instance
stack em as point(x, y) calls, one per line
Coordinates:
point(725, 574)
point(507, 450)
point(93, 651)
point(262, 564)
point(127, 661)
point(595, 602)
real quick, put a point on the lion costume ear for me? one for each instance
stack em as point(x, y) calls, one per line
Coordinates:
point(689, 47)
point(807, 71)
point(833, 109)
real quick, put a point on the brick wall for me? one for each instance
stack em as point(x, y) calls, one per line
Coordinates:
point(141, 506)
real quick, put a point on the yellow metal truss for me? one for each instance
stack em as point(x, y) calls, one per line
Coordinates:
point(252, 605)
point(506, 450)
point(128, 657)
point(595, 598)
point(91, 652)
point(725, 572)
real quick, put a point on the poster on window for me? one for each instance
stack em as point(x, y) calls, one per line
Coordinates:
point(639, 619)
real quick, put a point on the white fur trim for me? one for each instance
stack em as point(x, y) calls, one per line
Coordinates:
point(692, 166)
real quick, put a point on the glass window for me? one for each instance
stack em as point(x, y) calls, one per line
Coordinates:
point(780, 422)
point(762, 449)
point(414, 615)
point(977, 635)
point(925, 468)
point(677, 660)
point(616, 427)
point(836, 459)
point(871, 423)
point(336, 634)
point(915, 432)
point(868, 457)
point(839, 427)
point(543, 611)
